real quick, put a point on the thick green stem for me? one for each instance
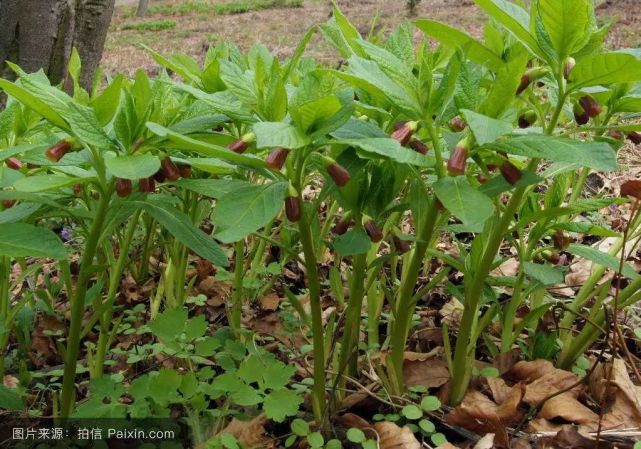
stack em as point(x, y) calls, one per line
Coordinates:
point(353, 313)
point(5, 269)
point(307, 242)
point(114, 282)
point(406, 303)
point(67, 399)
point(237, 287)
point(461, 365)
point(507, 333)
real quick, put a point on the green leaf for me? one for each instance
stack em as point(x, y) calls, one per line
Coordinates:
point(453, 37)
point(438, 439)
point(136, 166)
point(279, 134)
point(353, 242)
point(486, 129)
point(544, 273)
point(204, 148)
point(334, 444)
point(247, 209)
point(601, 258)
point(10, 399)
point(605, 68)
point(106, 104)
point(430, 403)
point(489, 371)
point(355, 435)
point(164, 387)
point(33, 102)
point(300, 427)
point(465, 202)
point(389, 149)
point(514, 18)
point(43, 183)
point(25, 240)
point(565, 23)
point(427, 426)
point(169, 324)
point(595, 155)
point(412, 412)
point(315, 440)
point(180, 226)
point(280, 404)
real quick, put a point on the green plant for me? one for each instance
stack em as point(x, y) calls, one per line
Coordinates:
point(150, 25)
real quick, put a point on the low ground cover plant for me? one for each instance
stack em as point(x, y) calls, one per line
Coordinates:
point(250, 243)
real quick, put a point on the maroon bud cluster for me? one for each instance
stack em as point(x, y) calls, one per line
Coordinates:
point(527, 119)
point(8, 204)
point(292, 208)
point(276, 159)
point(591, 107)
point(13, 163)
point(510, 172)
point(404, 133)
point(580, 115)
point(418, 146)
point(57, 151)
point(146, 185)
point(616, 134)
point(373, 231)
point(457, 124)
point(457, 161)
point(169, 169)
point(338, 173)
point(123, 187)
point(635, 137)
point(342, 226)
point(402, 246)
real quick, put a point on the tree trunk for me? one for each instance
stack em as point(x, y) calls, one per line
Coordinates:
point(142, 8)
point(39, 34)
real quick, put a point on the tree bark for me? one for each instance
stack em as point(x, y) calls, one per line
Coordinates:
point(142, 8)
point(39, 34)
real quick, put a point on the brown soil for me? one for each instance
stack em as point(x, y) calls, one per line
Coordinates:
point(280, 29)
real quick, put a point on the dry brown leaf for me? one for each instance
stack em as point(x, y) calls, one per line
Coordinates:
point(447, 446)
point(487, 442)
point(477, 412)
point(250, 433)
point(622, 395)
point(499, 389)
point(214, 290)
point(451, 313)
point(544, 380)
point(10, 381)
point(349, 420)
point(391, 436)
point(270, 302)
point(430, 373)
point(567, 408)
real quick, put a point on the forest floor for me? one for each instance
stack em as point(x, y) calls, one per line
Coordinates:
point(179, 26)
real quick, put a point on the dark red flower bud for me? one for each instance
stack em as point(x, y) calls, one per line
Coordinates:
point(635, 137)
point(616, 134)
point(184, 170)
point(525, 83)
point(159, 176)
point(457, 161)
point(31, 166)
point(241, 145)
point(373, 231)
point(570, 63)
point(527, 119)
point(8, 204)
point(561, 241)
point(123, 187)
point(342, 226)
point(580, 116)
point(276, 159)
point(403, 134)
point(146, 185)
point(57, 151)
point(292, 208)
point(590, 106)
point(418, 146)
point(510, 172)
point(169, 169)
point(337, 172)
point(77, 189)
point(399, 125)
point(13, 163)
point(481, 178)
point(402, 246)
point(439, 205)
point(457, 124)
point(551, 256)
